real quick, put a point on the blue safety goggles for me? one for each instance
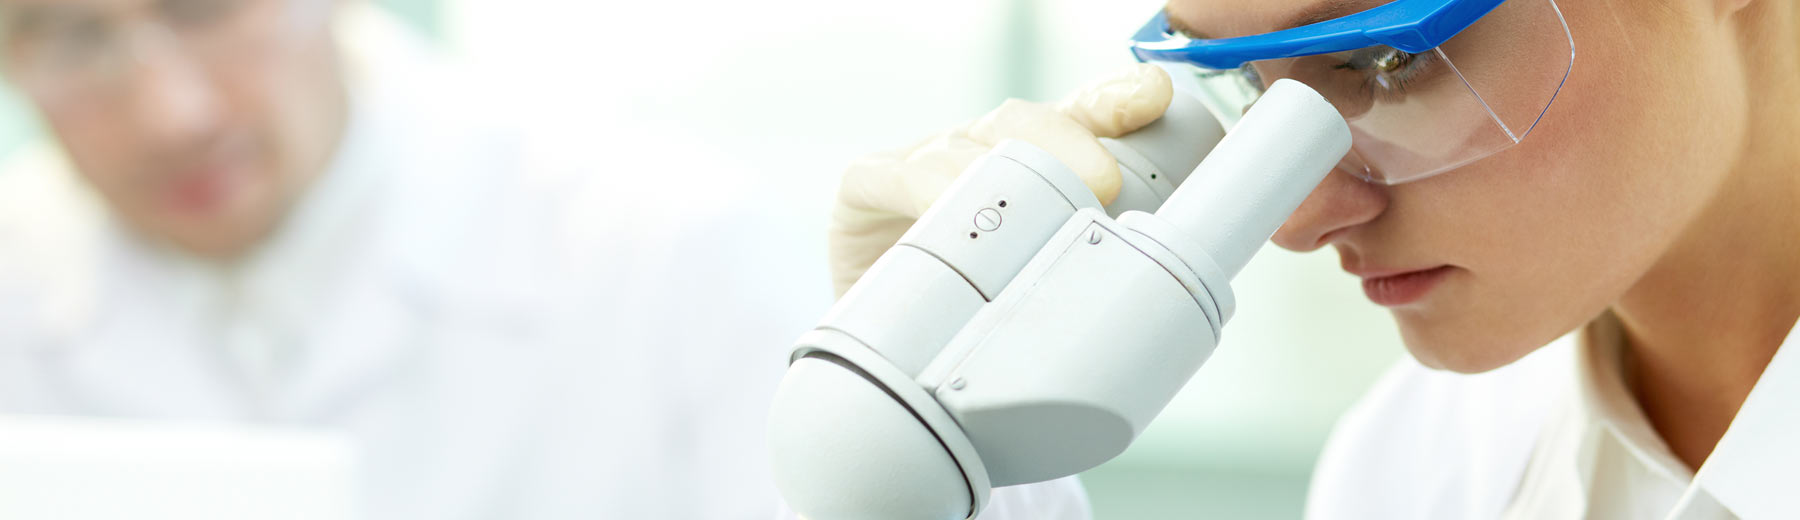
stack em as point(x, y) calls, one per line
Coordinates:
point(1427, 86)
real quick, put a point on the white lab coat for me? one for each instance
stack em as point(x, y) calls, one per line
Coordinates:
point(499, 339)
point(1554, 435)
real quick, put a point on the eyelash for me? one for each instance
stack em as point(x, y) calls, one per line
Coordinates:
point(1388, 84)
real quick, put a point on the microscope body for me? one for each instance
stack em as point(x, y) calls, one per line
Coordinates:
point(1021, 332)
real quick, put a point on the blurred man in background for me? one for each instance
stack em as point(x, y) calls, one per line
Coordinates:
point(283, 212)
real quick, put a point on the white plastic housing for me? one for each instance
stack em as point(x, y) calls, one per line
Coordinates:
point(1063, 370)
point(1110, 320)
point(1006, 343)
point(825, 410)
point(998, 213)
point(962, 251)
point(842, 453)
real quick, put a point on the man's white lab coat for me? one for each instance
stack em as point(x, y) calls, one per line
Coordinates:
point(499, 339)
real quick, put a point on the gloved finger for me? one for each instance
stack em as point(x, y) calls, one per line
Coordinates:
point(1067, 140)
point(905, 182)
point(856, 239)
point(882, 194)
point(1121, 103)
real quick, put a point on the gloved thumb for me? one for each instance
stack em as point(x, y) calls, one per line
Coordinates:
point(1121, 103)
point(1071, 143)
point(1112, 107)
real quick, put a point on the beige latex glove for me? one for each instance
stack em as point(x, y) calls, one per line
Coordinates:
point(882, 194)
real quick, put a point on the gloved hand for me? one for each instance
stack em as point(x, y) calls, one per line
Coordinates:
point(882, 194)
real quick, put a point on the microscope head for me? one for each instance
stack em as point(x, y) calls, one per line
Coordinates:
point(873, 420)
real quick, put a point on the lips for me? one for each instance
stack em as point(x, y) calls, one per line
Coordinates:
point(207, 181)
point(200, 190)
point(1390, 289)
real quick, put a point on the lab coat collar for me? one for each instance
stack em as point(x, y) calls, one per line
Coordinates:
point(1606, 401)
point(1749, 471)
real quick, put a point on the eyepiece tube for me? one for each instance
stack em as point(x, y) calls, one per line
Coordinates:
point(1258, 174)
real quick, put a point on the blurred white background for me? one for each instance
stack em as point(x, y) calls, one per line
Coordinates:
point(770, 99)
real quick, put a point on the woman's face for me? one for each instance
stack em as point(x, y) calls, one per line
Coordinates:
point(1511, 251)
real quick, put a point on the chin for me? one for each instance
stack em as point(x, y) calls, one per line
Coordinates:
point(1464, 348)
point(226, 232)
point(219, 238)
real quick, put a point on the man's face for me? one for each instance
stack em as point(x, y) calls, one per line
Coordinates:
point(198, 121)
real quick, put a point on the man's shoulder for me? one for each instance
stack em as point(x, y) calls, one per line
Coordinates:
point(40, 195)
point(1425, 443)
point(50, 225)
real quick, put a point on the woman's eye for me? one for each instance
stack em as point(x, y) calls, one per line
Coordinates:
point(1386, 69)
point(1251, 75)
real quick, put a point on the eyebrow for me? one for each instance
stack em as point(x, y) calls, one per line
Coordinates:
point(14, 19)
point(1320, 12)
point(17, 19)
point(1177, 26)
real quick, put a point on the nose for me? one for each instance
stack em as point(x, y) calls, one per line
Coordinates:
point(1341, 202)
point(170, 98)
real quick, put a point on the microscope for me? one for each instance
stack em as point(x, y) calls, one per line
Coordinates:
point(1021, 332)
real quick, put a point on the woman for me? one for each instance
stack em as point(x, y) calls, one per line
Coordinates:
point(1621, 174)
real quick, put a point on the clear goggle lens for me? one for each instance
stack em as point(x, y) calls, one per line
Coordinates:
point(1415, 115)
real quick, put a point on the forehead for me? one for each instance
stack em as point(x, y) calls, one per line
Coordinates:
point(1233, 18)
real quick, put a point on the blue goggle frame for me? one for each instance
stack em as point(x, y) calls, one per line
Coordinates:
point(1413, 26)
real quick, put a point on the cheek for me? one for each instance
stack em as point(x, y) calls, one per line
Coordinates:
point(1554, 230)
point(289, 95)
point(101, 149)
